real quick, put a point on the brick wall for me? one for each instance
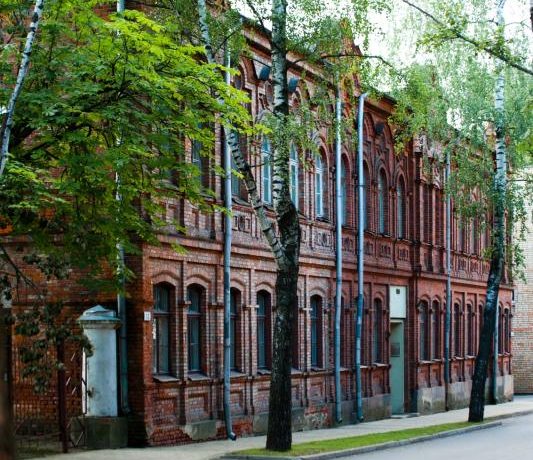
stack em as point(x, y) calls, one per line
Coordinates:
point(522, 340)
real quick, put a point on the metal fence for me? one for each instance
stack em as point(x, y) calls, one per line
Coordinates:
point(51, 420)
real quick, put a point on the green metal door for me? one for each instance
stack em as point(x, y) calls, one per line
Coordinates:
point(397, 367)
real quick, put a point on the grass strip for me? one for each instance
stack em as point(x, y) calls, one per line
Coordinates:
point(332, 445)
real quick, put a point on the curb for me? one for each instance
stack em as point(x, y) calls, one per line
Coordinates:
point(511, 415)
point(375, 447)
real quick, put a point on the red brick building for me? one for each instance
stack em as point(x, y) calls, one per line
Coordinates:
point(523, 314)
point(175, 352)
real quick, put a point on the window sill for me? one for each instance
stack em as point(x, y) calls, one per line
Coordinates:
point(264, 372)
point(236, 373)
point(379, 365)
point(197, 377)
point(317, 369)
point(162, 378)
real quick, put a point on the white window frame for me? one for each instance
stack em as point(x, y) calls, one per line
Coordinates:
point(293, 173)
point(319, 187)
point(267, 171)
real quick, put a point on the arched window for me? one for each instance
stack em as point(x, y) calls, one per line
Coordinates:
point(365, 335)
point(439, 212)
point(196, 296)
point(457, 330)
point(400, 209)
point(293, 169)
point(235, 301)
point(263, 330)
point(382, 203)
point(161, 329)
point(344, 200)
point(367, 209)
point(316, 331)
point(428, 214)
point(267, 171)
point(475, 237)
point(480, 323)
point(435, 330)
point(423, 331)
point(469, 331)
point(319, 186)
point(507, 330)
point(377, 332)
point(500, 330)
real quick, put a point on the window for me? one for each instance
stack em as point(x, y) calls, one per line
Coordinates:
point(319, 187)
point(366, 199)
point(423, 331)
point(439, 227)
point(235, 181)
point(195, 295)
point(161, 330)
point(267, 171)
point(382, 203)
point(480, 323)
point(296, 335)
point(235, 300)
point(316, 329)
point(364, 335)
point(500, 330)
point(293, 165)
point(428, 214)
point(469, 331)
point(457, 330)
point(461, 236)
point(507, 331)
point(344, 201)
point(377, 332)
point(201, 162)
point(435, 331)
point(263, 330)
point(400, 204)
point(475, 237)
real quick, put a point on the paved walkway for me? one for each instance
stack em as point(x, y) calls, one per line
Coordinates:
point(214, 449)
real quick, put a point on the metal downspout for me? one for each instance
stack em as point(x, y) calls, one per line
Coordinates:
point(227, 271)
point(448, 313)
point(121, 304)
point(360, 257)
point(338, 256)
point(500, 114)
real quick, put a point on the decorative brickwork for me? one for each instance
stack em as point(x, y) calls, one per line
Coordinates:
point(183, 401)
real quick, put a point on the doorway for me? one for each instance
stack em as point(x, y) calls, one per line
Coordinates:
point(397, 377)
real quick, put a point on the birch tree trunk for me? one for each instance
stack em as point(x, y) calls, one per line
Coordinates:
point(5, 131)
point(477, 396)
point(285, 243)
point(279, 434)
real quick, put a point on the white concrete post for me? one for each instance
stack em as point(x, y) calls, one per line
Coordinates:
point(99, 325)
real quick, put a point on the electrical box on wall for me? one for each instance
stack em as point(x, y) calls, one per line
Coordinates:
point(398, 301)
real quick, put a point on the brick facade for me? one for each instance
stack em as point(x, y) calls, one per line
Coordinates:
point(182, 406)
point(523, 315)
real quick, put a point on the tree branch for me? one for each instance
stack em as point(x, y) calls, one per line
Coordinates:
point(461, 36)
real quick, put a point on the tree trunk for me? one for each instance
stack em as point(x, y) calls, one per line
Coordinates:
point(285, 243)
point(279, 435)
point(5, 131)
point(477, 396)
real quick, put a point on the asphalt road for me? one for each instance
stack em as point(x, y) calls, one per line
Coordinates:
point(511, 441)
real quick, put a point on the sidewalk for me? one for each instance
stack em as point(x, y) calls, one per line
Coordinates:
point(214, 449)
